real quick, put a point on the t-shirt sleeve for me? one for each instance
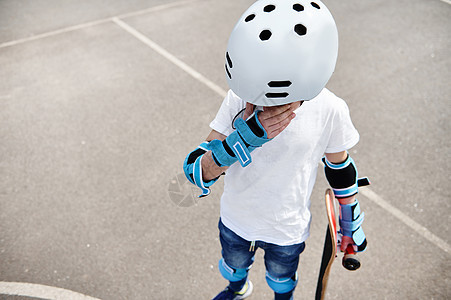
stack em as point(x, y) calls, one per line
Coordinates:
point(230, 107)
point(343, 136)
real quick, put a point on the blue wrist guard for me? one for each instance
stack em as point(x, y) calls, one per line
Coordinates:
point(351, 219)
point(238, 146)
point(193, 169)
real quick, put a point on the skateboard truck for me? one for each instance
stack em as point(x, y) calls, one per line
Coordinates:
point(350, 260)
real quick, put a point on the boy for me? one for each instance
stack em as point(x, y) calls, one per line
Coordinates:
point(274, 126)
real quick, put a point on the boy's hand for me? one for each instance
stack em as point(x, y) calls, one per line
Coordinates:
point(276, 118)
point(249, 110)
point(345, 242)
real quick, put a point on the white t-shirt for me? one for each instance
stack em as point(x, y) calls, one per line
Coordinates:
point(269, 200)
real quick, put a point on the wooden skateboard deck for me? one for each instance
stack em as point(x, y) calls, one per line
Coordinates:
point(330, 246)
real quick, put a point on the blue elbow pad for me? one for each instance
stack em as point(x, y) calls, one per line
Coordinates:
point(342, 177)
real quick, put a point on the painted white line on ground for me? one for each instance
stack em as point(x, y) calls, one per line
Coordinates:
point(155, 8)
point(94, 23)
point(53, 33)
point(423, 231)
point(40, 291)
point(163, 52)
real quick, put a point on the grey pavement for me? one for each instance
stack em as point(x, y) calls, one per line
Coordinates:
point(95, 124)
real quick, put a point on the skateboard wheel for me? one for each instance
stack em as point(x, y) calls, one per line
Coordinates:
point(351, 262)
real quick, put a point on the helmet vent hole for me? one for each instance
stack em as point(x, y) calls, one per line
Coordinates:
point(269, 8)
point(298, 7)
point(300, 29)
point(265, 35)
point(229, 61)
point(278, 84)
point(249, 18)
point(276, 95)
point(315, 5)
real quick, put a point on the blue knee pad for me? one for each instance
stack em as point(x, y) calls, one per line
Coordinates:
point(282, 285)
point(230, 273)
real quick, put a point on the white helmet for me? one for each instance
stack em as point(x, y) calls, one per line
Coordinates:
point(281, 52)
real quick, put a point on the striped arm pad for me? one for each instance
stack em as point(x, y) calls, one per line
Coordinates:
point(342, 177)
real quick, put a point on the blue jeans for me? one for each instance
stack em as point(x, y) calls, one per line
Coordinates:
point(280, 261)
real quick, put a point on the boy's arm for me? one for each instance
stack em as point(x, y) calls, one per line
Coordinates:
point(342, 176)
point(273, 119)
point(210, 159)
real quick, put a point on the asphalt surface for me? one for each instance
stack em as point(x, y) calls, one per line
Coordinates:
point(95, 124)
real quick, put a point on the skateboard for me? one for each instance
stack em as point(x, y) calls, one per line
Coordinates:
point(333, 242)
point(331, 247)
